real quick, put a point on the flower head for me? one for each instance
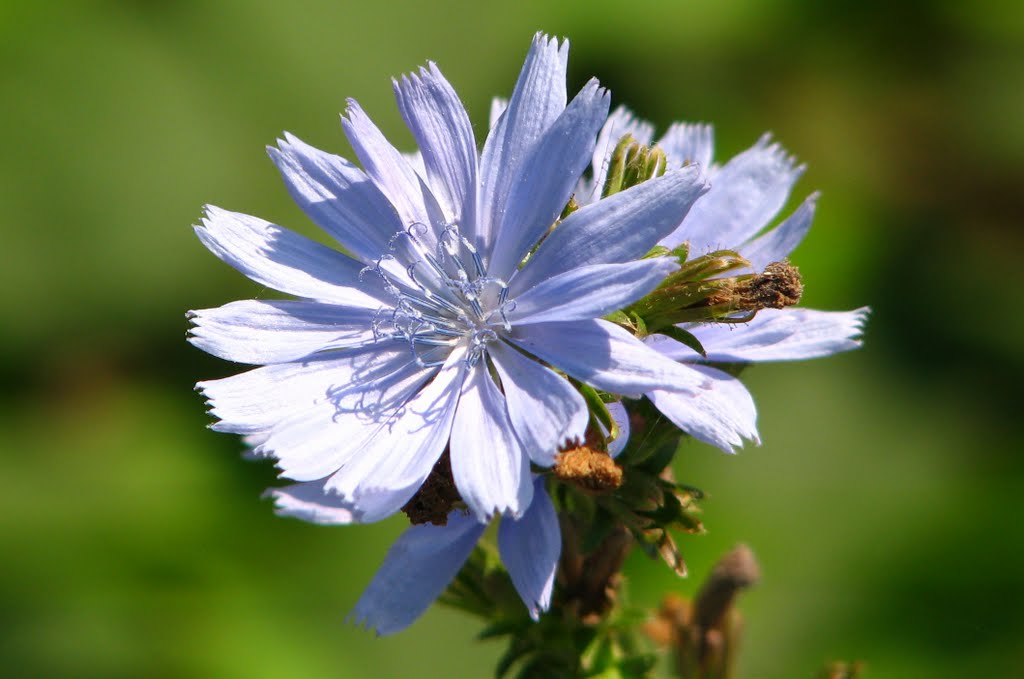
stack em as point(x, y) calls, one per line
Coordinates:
point(438, 332)
point(743, 311)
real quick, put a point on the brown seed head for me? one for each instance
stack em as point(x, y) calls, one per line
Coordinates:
point(778, 287)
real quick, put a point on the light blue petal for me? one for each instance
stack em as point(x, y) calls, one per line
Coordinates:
point(339, 424)
point(746, 193)
point(530, 549)
point(278, 331)
point(285, 261)
point(309, 502)
point(544, 409)
point(722, 413)
point(590, 291)
point(686, 143)
point(392, 173)
point(605, 356)
point(338, 197)
point(620, 123)
point(621, 417)
point(784, 335)
point(444, 135)
point(620, 228)
point(489, 466)
point(777, 244)
point(417, 569)
point(498, 106)
point(260, 399)
point(391, 465)
point(537, 100)
point(546, 179)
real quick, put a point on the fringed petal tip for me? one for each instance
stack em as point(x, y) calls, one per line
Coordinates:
point(361, 621)
point(860, 318)
point(417, 569)
point(530, 549)
point(766, 142)
point(542, 40)
point(210, 212)
point(721, 412)
point(311, 502)
point(428, 71)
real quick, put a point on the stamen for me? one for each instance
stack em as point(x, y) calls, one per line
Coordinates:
point(503, 310)
point(447, 297)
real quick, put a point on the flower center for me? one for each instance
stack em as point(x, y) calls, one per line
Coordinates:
point(442, 295)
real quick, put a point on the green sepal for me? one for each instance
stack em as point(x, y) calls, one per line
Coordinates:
point(640, 488)
point(616, 167)
point(660, 251)
point(569, 208)
point(601, 527)
point(732, 368)
point(518, 649)
point(655, 440)
point(501, 628)
point(638, 666)
point(632, 163)
point(691, 524)
point(661, 455)
point(683, 337)
point(630, 321)
point(605, 658)
point(710, 265)
point(640, 325)
point(539, 668)
point(618, 317)
point(598, 409)
point(693, 491)
point(631, 520)
point(574, 502)
point(665, 514)
point(599, 656)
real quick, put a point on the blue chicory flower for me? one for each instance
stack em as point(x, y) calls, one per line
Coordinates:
point(746, 194)
point(384, 360)
point(380, 366)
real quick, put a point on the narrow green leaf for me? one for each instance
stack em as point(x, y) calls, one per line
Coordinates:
point(598, 409)
point(683, 337)
point(516, 651)
point(501, 628)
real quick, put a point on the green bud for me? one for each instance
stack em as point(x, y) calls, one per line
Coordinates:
point(570, 207)
point(699, 293)
point(632, 163)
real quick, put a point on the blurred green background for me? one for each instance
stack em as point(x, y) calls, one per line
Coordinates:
point(884, 504)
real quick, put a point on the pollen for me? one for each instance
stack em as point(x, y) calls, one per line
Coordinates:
point(588, 468)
